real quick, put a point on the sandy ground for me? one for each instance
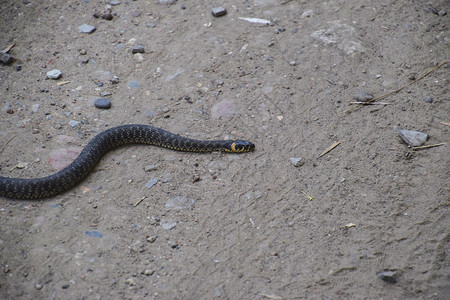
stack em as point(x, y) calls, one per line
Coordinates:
point(250, 226)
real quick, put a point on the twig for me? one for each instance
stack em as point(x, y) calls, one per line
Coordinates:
point(398, 90)
point(274, 297)
point(137, 203)
point(7, 49)
point(369, 103)
point(428, 146)
point(335, 144)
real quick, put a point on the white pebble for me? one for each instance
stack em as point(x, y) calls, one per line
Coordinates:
point(54, 74)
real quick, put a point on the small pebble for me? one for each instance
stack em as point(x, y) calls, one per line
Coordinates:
point(138, 49)
point(5, 58)
point(103, 103)
point(218, 11)
point(169, 225)
point(114, 3)
point(83, 51)
point(167, 2)
point(94, 233)
point(151, 182)
point(151, 239)
point(38, 286)
point(297, 161)
point(18, 68)
point(115, 80)
point(148, 272)
point(130, 281)
point(54, 74)
point(74, 123)
point(85, 28)
point(85, 61)
point(150, 168)
point(388, 276)
point(413, 138)
point(35, 107)
point(363, 96)
point(106, 93)
point(136, 13)
point(428, 99)
point(65, 286)
point(307, 13)
point(107, 16)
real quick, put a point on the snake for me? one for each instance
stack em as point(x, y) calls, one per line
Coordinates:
point(74, 173)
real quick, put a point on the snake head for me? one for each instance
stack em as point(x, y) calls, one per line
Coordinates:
point(238, 146)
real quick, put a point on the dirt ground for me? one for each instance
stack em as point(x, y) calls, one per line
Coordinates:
point(277, 223)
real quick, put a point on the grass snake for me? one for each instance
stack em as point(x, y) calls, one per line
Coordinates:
point(105, 141)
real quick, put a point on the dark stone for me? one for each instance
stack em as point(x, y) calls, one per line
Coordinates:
point(107, 16)
point(138, 49)
point(218, 11)
point(5, 58)
point(428, 99)
point(388, 276)
point(102, 103)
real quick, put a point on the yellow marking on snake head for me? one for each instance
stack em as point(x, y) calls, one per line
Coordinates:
point(238, 146)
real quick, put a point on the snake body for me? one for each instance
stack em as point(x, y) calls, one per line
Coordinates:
point(105, 141)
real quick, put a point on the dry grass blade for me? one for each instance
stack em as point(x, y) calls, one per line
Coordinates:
point(428, 146)
point(7, 49)
point(137, 203)
point(335, 144)
point(369, 103)
point(274, 297)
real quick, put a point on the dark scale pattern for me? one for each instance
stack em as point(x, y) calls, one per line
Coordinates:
point(105, 141)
